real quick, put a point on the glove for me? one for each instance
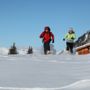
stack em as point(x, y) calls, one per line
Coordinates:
point(52, 41)
point(72, 38)
point(63, 39)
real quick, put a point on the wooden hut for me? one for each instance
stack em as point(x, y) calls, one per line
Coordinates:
point(84, 49)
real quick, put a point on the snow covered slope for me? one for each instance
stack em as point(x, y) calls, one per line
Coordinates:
point(44, 72)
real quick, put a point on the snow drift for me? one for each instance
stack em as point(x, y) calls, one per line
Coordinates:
point(79, 85)
point(4, 51)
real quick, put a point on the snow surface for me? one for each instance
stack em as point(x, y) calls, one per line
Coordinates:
point(43, 72)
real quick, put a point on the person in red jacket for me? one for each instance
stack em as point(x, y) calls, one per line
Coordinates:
point(47, 37)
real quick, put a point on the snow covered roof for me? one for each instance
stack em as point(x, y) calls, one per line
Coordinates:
point(83, 46)
point(84, 39)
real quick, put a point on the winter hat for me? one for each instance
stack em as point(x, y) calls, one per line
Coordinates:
point(47, 28)
point(71, 30)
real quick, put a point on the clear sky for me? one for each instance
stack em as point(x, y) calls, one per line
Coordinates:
point(22, 21)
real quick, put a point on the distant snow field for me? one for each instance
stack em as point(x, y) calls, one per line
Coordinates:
point(43, 72)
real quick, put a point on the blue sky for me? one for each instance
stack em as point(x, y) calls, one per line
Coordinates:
point(22, 21)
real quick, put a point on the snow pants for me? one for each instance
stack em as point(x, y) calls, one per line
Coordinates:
point(46, 47)
point(69, 47)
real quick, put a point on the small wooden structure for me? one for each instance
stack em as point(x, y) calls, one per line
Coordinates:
point(13, 49)
point(84, 49)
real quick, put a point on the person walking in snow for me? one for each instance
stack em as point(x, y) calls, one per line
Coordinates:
point(70, 37)
point(47, 36)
